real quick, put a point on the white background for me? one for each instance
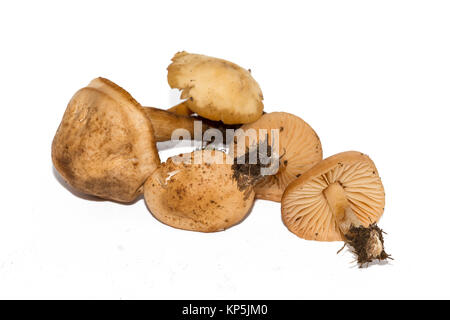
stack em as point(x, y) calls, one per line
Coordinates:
point(372, 76)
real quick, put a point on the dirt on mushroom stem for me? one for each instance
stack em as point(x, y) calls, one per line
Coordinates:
point(249, 174)
point(367, 243)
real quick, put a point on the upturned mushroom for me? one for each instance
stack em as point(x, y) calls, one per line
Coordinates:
point(201, 191)
point(339, 199)
point(105, 144)
point(215, 89)
point(297, 144)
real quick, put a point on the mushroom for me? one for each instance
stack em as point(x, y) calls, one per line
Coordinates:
point(298, 146)
point(201, 191)
point(215, 89)
point(340, 199)
point(105, 144)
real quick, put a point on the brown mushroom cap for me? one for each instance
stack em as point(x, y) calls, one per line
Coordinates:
point(216, 89)
point(104, 145)
point(199, 197)
point(299, 150)
point(305, 209)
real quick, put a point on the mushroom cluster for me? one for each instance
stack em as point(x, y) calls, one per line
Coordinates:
point(105, 146)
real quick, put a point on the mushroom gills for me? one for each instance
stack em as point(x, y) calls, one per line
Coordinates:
point(366, 241)
point(295, 143)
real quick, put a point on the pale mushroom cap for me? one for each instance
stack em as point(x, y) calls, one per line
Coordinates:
point(104, 145)
point(198, 197)
point(299, 149)
point(216, 89)
point(305, 210)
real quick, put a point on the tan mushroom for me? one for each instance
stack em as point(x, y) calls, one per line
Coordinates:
point(105, 145)
point(298, 145)
point(215, 89)
point(202, 193)
point(339, 199)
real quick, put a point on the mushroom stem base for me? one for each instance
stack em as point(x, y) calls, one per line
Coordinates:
point(247, 168)
point(367, 242)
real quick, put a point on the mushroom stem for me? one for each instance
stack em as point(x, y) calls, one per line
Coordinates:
point(181, 109)
point(366, 241)
point(165, 122)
